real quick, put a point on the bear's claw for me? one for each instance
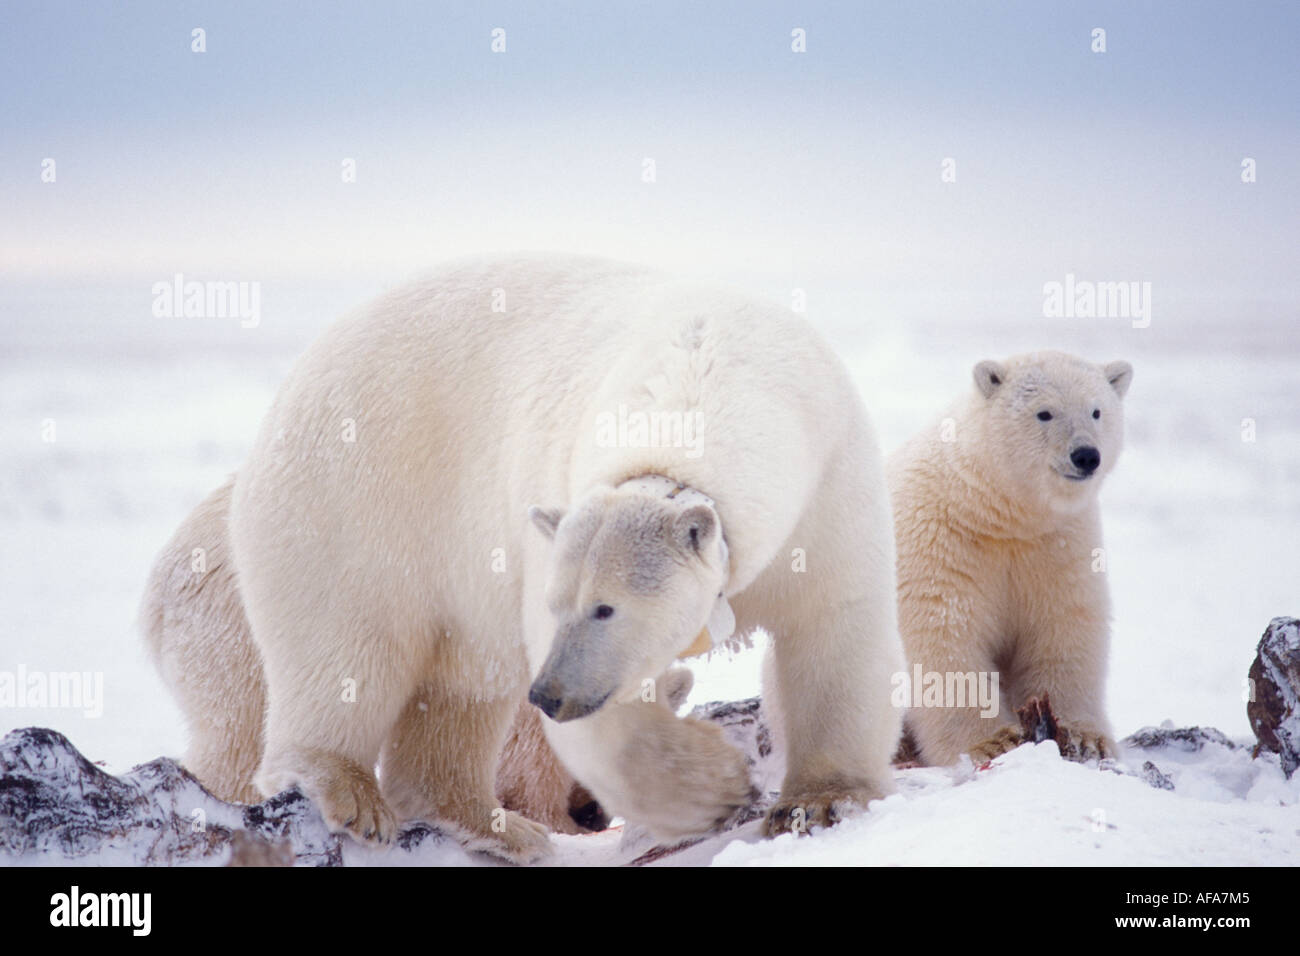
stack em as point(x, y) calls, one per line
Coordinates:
point(1003, 741)
point(518, 840)
point(345, 793)
point(819, 809)
point(1085, 745)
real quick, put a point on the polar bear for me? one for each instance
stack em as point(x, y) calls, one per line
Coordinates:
point(677, 447)
point(198, 637)
point(1000, 571)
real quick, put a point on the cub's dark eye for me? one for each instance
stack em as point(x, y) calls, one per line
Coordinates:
point(1044, 416)
point(602, 611)
point(1096, 413)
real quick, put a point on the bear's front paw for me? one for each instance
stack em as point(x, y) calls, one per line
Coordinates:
point(1084, 744)
point(346, 794)
point(826, 807)
point(511, 837)
point(1003, 741)
point(352, 802)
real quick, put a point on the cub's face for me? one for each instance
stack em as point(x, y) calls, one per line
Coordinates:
point(630, 584)
point(1053, 425)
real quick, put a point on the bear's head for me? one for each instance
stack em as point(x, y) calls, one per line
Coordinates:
point(1050, 426)
point(632, 580)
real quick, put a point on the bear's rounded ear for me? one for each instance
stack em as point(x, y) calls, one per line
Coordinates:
point(546, 519)
point(1120, 376)
point(988, 376)
point(695, 528)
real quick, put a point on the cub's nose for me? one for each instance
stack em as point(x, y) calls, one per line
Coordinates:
point(1086, 459)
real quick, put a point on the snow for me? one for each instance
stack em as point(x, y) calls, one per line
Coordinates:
point(1030, 807)
point(151, 414)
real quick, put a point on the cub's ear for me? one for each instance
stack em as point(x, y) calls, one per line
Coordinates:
point(988, 376)
point(1120, 376)
point(695, 528)
point(546, 519)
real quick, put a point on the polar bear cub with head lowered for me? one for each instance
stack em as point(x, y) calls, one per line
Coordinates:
point(403, 604)
point(998, 531)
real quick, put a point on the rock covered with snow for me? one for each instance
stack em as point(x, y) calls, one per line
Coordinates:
point(745, 724)
point(1186, 739)
point(1273, 707)
point(55, 805)
point(1152, 775)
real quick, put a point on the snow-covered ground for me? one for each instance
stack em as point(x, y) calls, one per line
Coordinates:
point(150, 414)
point(1030, 808)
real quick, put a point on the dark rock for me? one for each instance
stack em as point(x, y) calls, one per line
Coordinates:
point(1152, 775)
point(55, 804)
point(745, 724)
point(1187, 739)
point(1274, 704)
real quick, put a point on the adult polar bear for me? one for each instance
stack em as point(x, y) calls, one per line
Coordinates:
point(396, 466)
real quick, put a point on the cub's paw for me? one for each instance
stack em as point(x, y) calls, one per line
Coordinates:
point(1003, 741)
point(798, 814)
point(510, 837)
point(685, 780)
point(1084, 744)
point(346, 793)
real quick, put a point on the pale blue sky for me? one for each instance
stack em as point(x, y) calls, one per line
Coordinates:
point(1119, 165)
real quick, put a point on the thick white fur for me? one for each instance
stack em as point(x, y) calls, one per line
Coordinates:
point(997, 564)
point(369, 563)
point(198, 636)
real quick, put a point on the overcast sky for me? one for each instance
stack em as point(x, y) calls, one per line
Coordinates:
point(228, 164)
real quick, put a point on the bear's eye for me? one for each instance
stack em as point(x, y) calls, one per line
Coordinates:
point(602, 612)
point(1096, 413)
point(1044, 416)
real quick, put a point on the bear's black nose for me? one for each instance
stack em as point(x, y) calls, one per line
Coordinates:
point(549, 703)
point(1086, 459)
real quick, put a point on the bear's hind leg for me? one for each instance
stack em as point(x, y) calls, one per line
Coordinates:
point(226, 747)
point(440, 761)
point(197, 633)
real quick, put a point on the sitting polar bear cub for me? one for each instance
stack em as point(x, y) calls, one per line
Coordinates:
point(677, 448)
point(1000, 571)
